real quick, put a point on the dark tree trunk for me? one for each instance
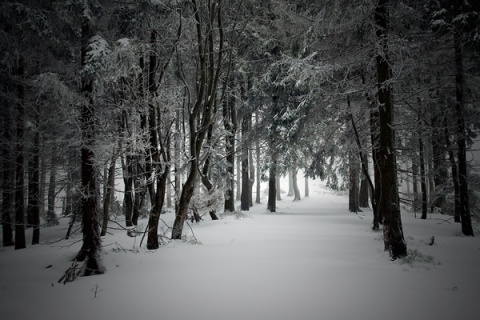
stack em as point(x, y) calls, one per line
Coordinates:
point(257, 156)
point(51, 217)
point(20, 242)
point(244, 203)
point(440, 173)
point(206, 181)
point(453, 166)
point(364, 187)
point(461, 136)
point(34, 181)
point(389, 204)
point(353, 186)
point(272, 185)
point(128, 195)
point(423, 184)
point(377, 191)
point(90, 250)
point(230, 125)
point(152, 240)
point(423, 176)
point(7, 177)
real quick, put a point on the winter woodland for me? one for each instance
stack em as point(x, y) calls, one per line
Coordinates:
point(145, 120)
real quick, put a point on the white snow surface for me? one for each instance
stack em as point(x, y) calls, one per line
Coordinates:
point(311, 260)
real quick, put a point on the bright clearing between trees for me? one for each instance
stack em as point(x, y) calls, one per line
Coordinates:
point(310, 260)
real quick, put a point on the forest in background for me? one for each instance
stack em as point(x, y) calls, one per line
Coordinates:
point(190, 101)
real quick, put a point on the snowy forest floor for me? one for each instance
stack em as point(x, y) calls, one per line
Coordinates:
point(311, 260)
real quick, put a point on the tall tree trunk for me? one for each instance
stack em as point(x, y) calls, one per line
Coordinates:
point(90, 250)
point(453, 166)
point(251, 176)
point(440, 173)
point(34, 180)
point(423, 175)
point(257, 159)
point(20, 241)
point(389, 205)
point(108, 195)
point(244, 203)
point(461, 135)
point(377, 190)
point(51, 217)
point(423, 184)
point(7, 177)
point(230, 125)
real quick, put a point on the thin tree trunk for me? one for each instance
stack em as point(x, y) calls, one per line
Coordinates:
point(244, 203)
point(257, 156)
point(423, 176)
point(7, 178)
point(461, 136)
point(278, 188)
point(453, 166)
point(34, 183)
point(307, 192)
point(230, 125)
point(20, 242)
point(108, 195)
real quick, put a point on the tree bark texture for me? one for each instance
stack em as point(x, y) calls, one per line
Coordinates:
point(389, 203)
point(90, 250)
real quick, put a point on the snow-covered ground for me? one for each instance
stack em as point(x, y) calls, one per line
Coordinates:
point(311, 260)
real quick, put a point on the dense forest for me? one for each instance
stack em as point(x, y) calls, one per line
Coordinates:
point(191, 103)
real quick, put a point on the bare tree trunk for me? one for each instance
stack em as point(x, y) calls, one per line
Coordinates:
point(107, 198)
point(353, 186)
point(244, 203)
point(453, 166)
point(230, 125)
point(389, 205)
point(461, 136)
point(20, 242)
point(90, 250)
point(34, 181)
point(7, 177)
point(257, 154)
